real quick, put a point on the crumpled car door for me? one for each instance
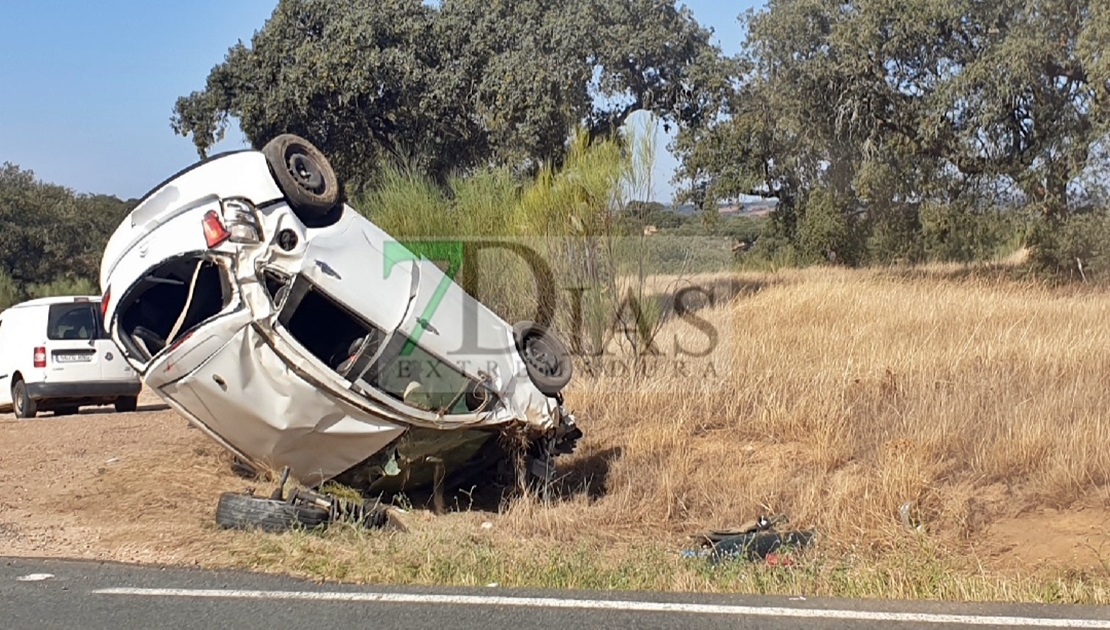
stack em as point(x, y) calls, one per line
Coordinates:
point(351, 266)
point(248, 397)
point(452, 325)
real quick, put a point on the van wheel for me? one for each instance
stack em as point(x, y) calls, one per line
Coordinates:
point(127, 404)
point(22, 404)
point(546, 358)
point(305, 177)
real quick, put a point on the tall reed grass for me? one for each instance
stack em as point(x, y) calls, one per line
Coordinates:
point(571, 216)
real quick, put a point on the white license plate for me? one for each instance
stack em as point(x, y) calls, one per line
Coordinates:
point(73, 358)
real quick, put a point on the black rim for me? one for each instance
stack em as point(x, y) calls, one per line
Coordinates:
point(306, 172)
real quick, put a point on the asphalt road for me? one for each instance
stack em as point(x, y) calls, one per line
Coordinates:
point(91, 595)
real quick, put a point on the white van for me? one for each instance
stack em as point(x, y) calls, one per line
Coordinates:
point(56, 356)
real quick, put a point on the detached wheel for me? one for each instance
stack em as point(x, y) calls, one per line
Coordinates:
point(304, 176)
point(243, 511)
point(22, 404)
point(546, 358)
point(127, 404)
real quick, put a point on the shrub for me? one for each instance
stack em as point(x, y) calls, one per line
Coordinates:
point(1074, 247)
point(62, 287)
point(9, 291)
point(958, 233)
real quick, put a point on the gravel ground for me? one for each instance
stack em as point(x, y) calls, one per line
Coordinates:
point(138, 486)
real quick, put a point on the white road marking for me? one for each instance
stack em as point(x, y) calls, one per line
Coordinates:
point(35, 577)
point(622, 605)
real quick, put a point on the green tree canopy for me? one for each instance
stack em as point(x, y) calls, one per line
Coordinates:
point(48, 233)
point(464, 83)
point(881, 106)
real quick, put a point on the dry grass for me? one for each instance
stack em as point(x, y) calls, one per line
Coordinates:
point(851, 393)
point(970, 396)
point(977, 399)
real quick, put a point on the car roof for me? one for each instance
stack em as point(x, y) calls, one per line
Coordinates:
point(61, 299)
point(198, 164)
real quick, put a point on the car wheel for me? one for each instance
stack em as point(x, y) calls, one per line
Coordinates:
point(127, 404)
point(304, 176)
point(22, 404)
point(546, 358)
point(243, 511)
point(65, 411)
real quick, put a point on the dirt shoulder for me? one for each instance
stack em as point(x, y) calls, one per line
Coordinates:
point(103, 485)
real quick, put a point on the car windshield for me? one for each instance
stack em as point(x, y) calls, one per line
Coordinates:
point(78, 320)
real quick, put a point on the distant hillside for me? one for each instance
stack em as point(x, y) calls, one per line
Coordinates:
point(748, 207)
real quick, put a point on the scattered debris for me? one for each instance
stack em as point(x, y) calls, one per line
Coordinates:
point(756, 540)
point(777, 560)
point(487, 525)
point(908, 521)
point(301, 508)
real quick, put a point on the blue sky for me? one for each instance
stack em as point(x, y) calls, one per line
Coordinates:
point(89, 86)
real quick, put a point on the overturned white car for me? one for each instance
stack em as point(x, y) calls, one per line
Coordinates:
point(296, 333)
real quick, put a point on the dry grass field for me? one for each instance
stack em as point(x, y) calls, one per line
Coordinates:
point(978, 400)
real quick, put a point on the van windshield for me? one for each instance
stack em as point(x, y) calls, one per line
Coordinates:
point(79, 320)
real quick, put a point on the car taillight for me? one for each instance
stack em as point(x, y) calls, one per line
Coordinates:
point(40, 357)
point(241, 221)
point(214, 231)
point(104, 303)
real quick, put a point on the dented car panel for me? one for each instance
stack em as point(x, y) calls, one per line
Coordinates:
point(248, 395)
point(324, 346)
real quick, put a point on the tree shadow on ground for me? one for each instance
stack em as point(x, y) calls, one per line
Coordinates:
point(695, 294)
point(991, 272)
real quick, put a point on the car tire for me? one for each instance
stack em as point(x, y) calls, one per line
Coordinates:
point(243, 511)
point(22, 405)
point(127, 404)
point(65, 411)
point(305, 177)
point(545, 357)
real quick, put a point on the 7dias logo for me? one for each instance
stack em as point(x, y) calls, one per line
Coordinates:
point(616, 320)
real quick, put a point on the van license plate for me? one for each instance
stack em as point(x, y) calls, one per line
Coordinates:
point(73, 358)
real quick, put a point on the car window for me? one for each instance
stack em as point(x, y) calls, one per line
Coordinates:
point(352, 347)
point(74, 321)
point(327, 330)
point(420, 379)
